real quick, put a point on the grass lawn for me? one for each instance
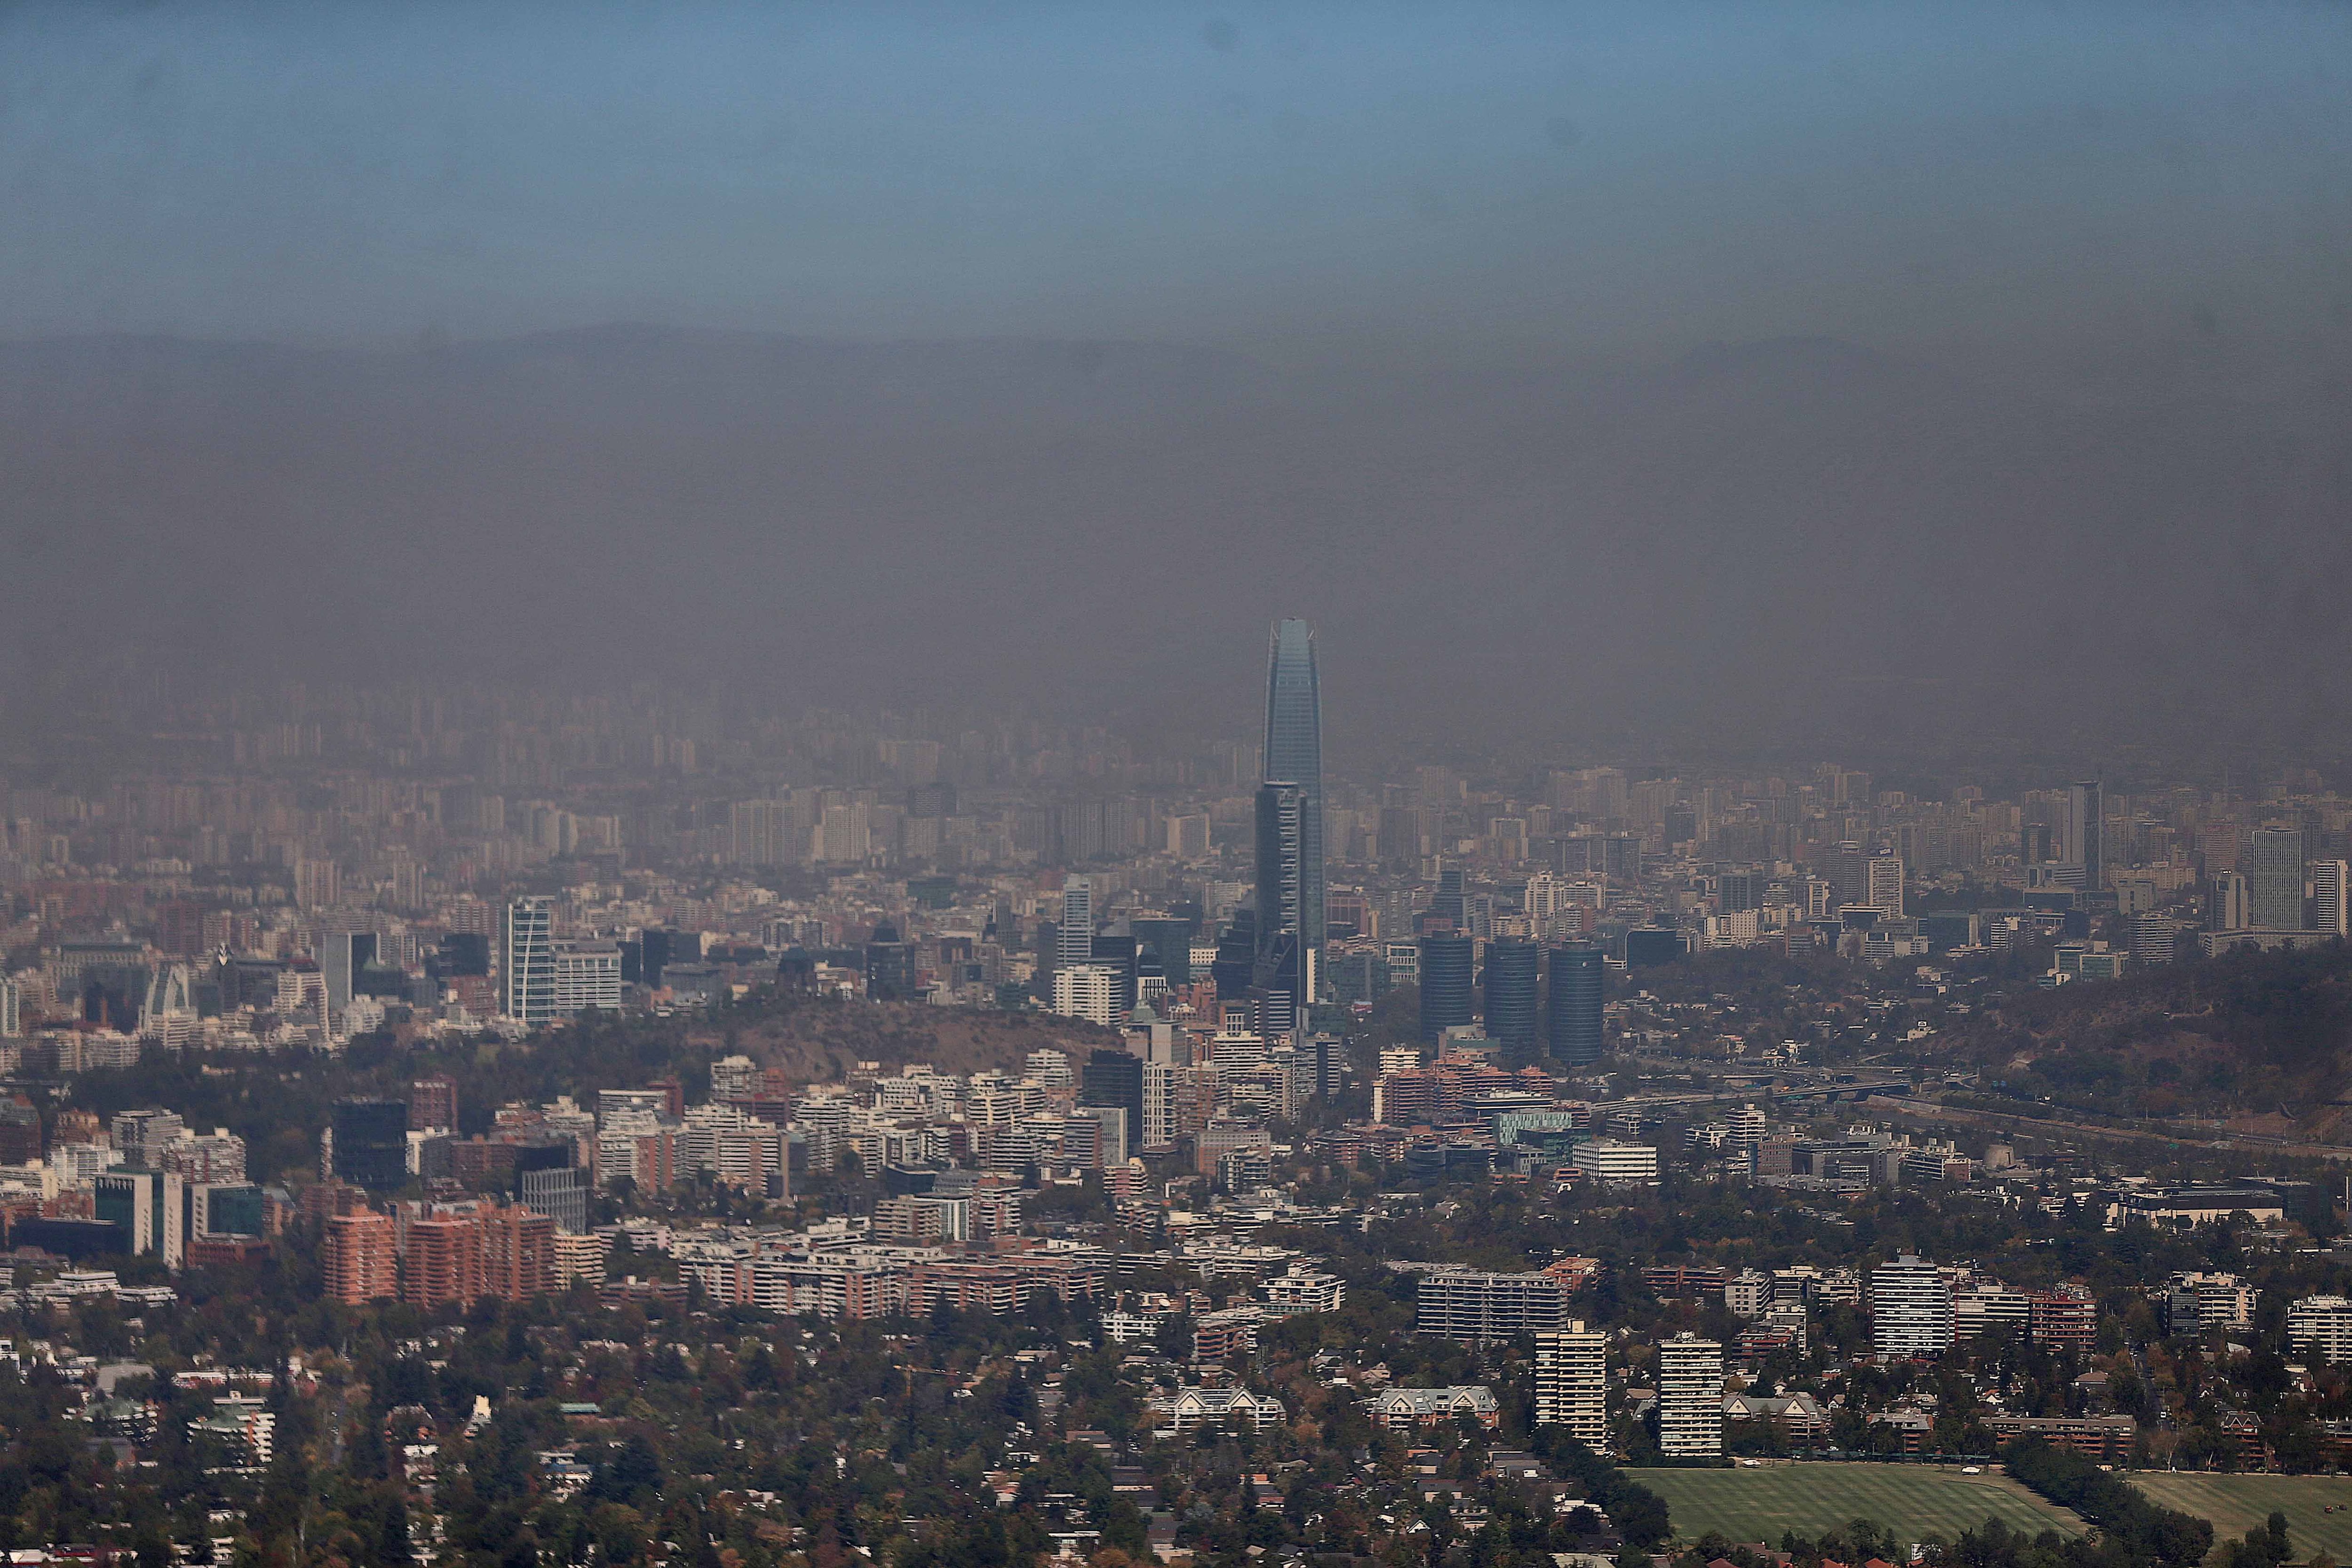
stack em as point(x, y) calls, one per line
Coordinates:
point(1910, 1499)
point(2237, 1504)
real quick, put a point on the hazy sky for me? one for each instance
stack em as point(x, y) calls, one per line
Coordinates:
point(1455, 174)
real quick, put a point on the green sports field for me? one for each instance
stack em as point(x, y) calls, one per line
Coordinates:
point(1910, 1499)
point(2237, 1504)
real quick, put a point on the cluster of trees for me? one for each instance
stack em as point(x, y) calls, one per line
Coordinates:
point(2133, 1531)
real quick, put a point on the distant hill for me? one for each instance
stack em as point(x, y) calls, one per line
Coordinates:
point(1759, 543)
point(2258, 1037)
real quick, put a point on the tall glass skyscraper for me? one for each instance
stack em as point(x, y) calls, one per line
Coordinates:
point(1294, 755)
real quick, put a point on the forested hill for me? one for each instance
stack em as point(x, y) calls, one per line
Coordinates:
point(2249, 1035)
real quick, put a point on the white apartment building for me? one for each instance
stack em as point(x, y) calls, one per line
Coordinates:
point(2321, 1326)
point(1910, 1310)
point(1088, 991)
point(1690, 1397)
point(1612, 1163)
point(1573, 1383)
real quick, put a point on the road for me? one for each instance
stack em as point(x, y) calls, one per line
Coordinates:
point(2253, 1142)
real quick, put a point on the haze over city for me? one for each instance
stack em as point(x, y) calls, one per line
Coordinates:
point(1634, 372)
point(1266, 786)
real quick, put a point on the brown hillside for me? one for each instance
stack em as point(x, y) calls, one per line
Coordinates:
point(813, 1041)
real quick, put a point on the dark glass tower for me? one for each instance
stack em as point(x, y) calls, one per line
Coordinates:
point(1115, 1077)
point(1446, 985)
point(1576, 996)
point(1294, 755)
point(1281, 966)
point(1511, 997)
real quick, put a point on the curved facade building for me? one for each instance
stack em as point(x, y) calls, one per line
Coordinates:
point(1511, 993)
point(1576, 998)
point(1446, 985)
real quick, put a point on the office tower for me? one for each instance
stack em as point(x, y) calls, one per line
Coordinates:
point(465, 953)
point(1446, 985)
point(1293, 754)
point(371, 1142)
point(2274, 872)
point(1473, 1305)
point(1573, 1384)
point(1910, 1310)
point(2087, 832)
point(1690, 1397)
point(587, 975)
point(1848, 867)
point(1450, 902)
point(1119, 954)
point(2329, 896)
point(527, 959)
point(1236, 960)
point(1740, 890)
point(361, 1262)
point(1883, 883)
point(1172, 938)
point(226, 1208)
point(12, 1003)
point(561, 1193)
point(1115, 1079)
point(1511, 980)
point(1115, 1132)
point(147, 1207)
point(1282, 966)
point(2226, 909)
point(342, 955)
point(889, 966)
point(1076, 937)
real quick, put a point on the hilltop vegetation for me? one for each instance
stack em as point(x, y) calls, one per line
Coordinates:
point(2246, 1034)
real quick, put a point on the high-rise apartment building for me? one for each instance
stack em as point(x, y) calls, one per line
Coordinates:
point(1293, 754)
point(1573, 1383)
point(442, 1264)
point(527, 959)
point(1473, 1305)
point(361, 1258)
point(1910, 1310)
point(432, 1102)
point(1883, 884)
point(1088, 991)
point(2329, 893)
point(1690, 1397)
point(1577, 974)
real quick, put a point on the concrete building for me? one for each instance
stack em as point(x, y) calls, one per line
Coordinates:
point(1690, 1397)
point(1612, 1163)
point(1573, 1383)
point(1910, 1310)
point(1474, 1306)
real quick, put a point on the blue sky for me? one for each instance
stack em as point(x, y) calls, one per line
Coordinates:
point(1458, 173)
